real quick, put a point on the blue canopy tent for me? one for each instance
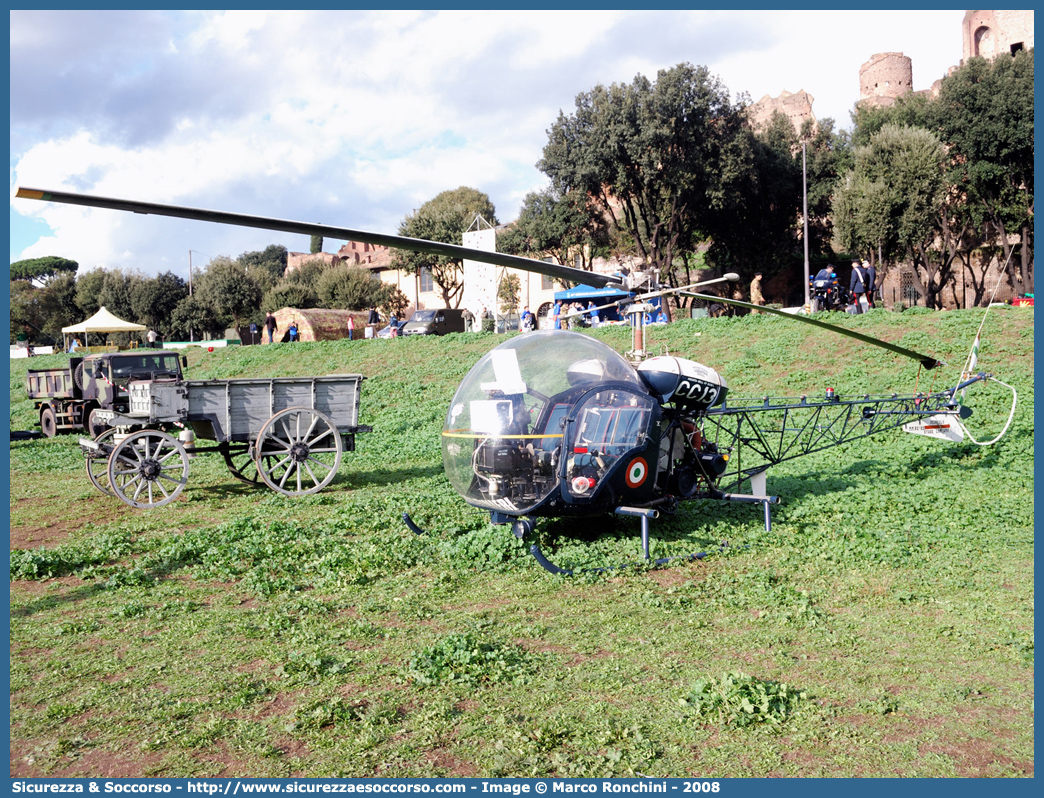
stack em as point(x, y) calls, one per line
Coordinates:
point(600, 296)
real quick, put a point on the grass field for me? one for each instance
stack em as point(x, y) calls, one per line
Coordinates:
point(883, 627)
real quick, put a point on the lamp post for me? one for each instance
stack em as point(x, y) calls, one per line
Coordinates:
point(804, 214)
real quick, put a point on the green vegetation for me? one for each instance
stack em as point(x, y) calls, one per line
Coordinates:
point(883, 627)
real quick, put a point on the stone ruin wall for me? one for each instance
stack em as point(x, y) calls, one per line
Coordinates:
point(992, 33)
point(797, 107)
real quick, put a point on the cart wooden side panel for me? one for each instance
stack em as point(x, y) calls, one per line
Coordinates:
point(236, 410)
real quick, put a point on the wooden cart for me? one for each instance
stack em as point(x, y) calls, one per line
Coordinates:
point(288, 433)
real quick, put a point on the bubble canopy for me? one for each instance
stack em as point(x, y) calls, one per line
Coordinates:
point(511, 406)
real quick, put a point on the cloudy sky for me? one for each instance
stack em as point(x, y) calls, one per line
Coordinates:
point(356, 118)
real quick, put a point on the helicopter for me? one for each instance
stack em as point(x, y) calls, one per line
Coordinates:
point(557, 424)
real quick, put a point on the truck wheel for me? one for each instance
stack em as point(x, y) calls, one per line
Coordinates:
point(78, 376)
point(48, 421)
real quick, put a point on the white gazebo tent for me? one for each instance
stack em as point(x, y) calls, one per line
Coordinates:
point(101, 322)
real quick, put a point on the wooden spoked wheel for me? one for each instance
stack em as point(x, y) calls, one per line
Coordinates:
point(298, 451)
point(148, 469)
point(241, 464)
point(98, 463)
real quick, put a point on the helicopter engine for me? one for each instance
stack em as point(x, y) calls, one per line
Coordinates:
point(687, 460)
point(685, 383)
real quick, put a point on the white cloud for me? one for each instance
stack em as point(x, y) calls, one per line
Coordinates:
point(356, 118)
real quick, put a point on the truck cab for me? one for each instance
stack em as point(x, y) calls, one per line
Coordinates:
point(439, 321)
point(68, 397)
point(106, 377)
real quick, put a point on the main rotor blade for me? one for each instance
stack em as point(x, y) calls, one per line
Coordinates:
point(562, 273)
point(927, 361)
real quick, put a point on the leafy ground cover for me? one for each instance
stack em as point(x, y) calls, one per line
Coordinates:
point(883, 627)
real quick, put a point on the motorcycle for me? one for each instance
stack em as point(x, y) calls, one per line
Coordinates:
point(826, 292)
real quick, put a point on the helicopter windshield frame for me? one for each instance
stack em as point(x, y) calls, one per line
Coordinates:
point(504, 434)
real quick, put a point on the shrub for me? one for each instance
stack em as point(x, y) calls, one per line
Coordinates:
point(736, 699)
point(464, 659)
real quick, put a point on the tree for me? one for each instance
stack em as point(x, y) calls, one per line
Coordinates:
point(509, 292)
point(754, 227)
point(443, 218)
point(307, 274)
point(350, 287)
point(316, 245)
point(394, 302)
point(228, 290)
point(985, 115)
point(265, 267)
point(192, 318)
point(27, 316)
point(828, 154)
point(660, 159)
point(59, 305)
point(88, 288)
point(289, 295)
point(115, 293)
point(154, 299)
point(567, 226)
point(894, 200)
point(42, 270)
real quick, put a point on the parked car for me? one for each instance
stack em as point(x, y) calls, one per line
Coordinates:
point(435, 322)
point(386, 332)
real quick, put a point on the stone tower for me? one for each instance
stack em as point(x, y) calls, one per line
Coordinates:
point(991, 33)
point(885, 78)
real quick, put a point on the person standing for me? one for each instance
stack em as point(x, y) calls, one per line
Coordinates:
point(150, 336)
point(270, 325)
point(556, 314)
point(857, 286)
point(755, 292)
point(527, 319)
point(351, 327)
point(871, 282)
point(593, 308)
point(293, 330)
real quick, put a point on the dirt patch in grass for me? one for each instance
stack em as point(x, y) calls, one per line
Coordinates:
point(88, 763)
point(443, 761)
point(46, 530)
point(36, 588)
point(973, 756)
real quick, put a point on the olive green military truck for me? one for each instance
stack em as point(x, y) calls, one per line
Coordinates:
point(70, 399)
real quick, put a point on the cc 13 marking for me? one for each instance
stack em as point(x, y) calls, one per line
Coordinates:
point(697, 390)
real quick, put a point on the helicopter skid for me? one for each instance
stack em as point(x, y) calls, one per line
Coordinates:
point(416, 530)
point(522, 527)
point(550, 567)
